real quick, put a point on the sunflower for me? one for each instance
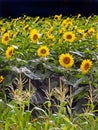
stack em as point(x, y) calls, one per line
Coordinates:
point(50, 30)
point(3, 29)
point(81, 33)
point(65, 21)
point(91, 31)
point(58, 17)
point(69, 36)
point(34, 36)
point(69, 23)
point(43, 51)
point(5, 38)
point(66, 60)
point(1, 78)
point(9, 52)
point(86, 66)
point(78, 16)
point(36, 19)
point(26, 27)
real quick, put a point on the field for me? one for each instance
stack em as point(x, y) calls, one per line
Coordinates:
point(49, 73)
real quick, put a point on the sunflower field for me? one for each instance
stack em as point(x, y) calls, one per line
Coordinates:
point(49, 73)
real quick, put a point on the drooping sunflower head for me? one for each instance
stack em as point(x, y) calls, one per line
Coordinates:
point(26, 27)
point(5, 38)
point(86, 66)
point(69, 36)
point(65, 21)
point(43, 51)
point(50, 30)
point(66, 60)
point(58, 17)
point(34, 35)
point(36, 19)
point(1, 78)
point(78, 16)
point(9, 52)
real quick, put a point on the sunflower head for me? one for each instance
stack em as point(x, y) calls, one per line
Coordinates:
point(34, 36)
point(3, 29)
point(66, 60)
point(5, 38)
point(78, 16)
point(50, 30)
point(43, 51)
point(9, 52)
point(86, 66)
point(36, 19)
point(26, 27)
point(69, 36)
point(65, 21)
point(81, 33)
point(1, 78)
point(91, 31)
point(58, 17)
point(69, 23)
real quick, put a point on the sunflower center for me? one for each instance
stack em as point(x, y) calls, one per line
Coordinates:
point(6, 38)
point(35, 36)
point(91, 32)
point(69, 36)
point(10, 52)
point(66, 60)
point(86, 66)
point(43, 51)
